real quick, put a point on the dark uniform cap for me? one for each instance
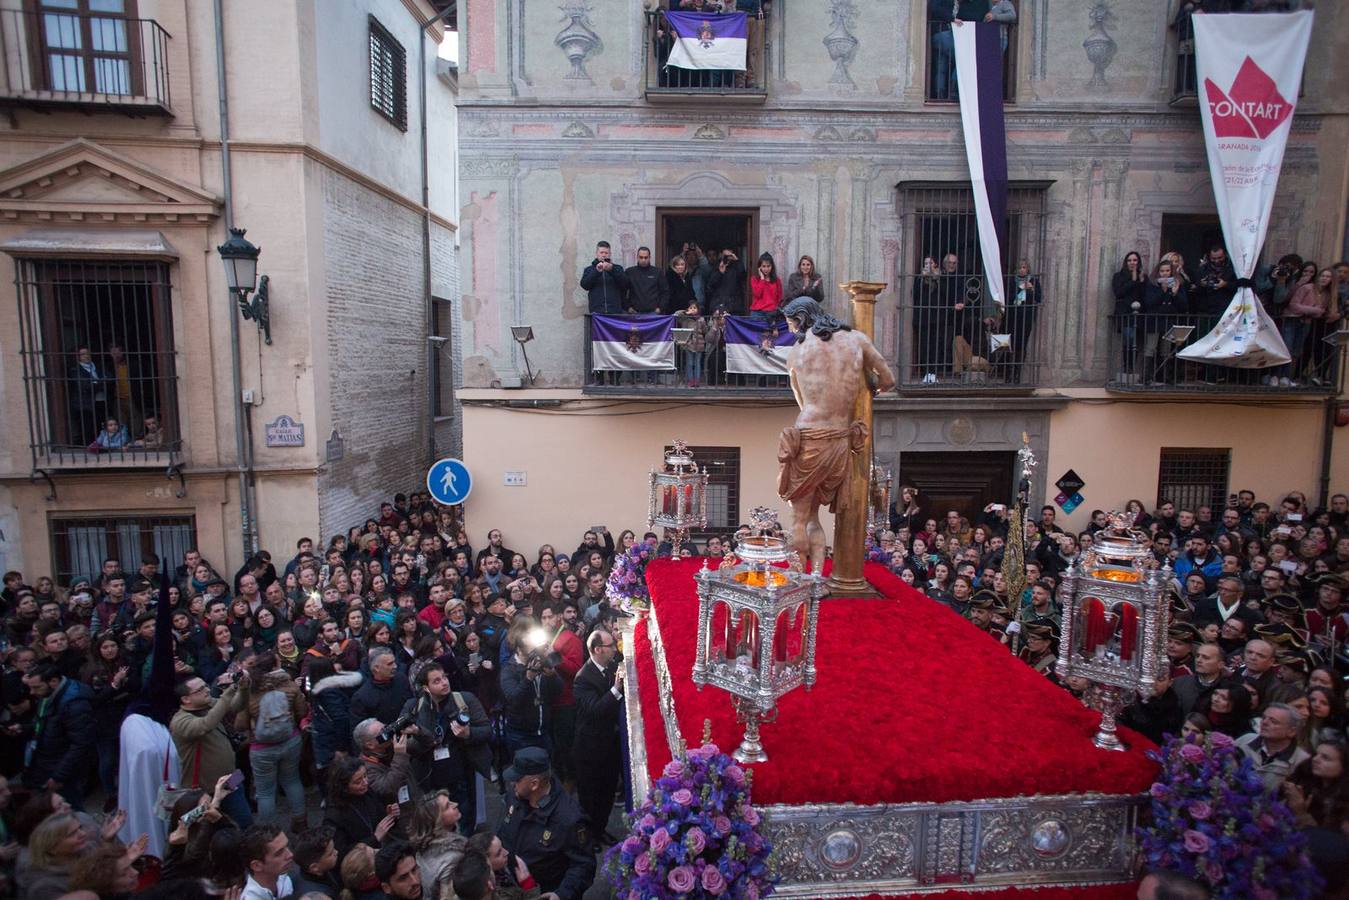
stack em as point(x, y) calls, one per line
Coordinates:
point(220, 581)
point(1047, 629)
point(1334, 579)
point(985, 599)
point(1183, 631)
point(1284, 603)
point(528, 761)
point(1280, 635)
point(1295, 661)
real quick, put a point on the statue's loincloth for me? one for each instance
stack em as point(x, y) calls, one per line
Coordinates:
point(815, 463)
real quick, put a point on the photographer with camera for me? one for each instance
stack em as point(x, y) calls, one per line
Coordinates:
point(204, 747)
point(448, 741)
point(1217, 284)
point(726, 284)
point(604, 282)
point(529, 686)
point(384, 750)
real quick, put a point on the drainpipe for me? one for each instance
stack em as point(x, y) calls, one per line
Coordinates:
point(242, 421)
point(1327, 447)
point(430, 311)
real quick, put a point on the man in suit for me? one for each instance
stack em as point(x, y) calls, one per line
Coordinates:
point(597, 757)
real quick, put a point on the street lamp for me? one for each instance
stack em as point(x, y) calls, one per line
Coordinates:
point(523, 334)
point(241, 274)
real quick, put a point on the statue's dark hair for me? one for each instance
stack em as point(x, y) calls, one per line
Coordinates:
point(812, 316)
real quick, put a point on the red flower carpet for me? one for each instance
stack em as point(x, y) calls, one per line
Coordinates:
point(913, 704)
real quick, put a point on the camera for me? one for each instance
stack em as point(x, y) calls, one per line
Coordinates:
point(396, 727)
point(462, 717)
point(543, 658)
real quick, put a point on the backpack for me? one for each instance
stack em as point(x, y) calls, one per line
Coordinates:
point(275, 724)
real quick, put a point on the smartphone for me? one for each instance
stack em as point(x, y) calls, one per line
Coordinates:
point(1293, 517)
point(1288, 566)
point(236, 778)
point(404, 795)
point(999, 507)
point(474, 658)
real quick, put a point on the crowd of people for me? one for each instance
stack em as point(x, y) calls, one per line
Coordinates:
point(1257, 645)
point(331, 725)
point(1308, 302)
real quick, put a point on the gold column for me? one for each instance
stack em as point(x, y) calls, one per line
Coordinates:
point(850, 525)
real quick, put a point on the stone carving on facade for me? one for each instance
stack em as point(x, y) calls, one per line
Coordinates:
point(840, 43)
point(480, 128)
point(1100, 46)
point(709, 132)
point(578, 129)
point(576, 39)
point(862, 135)
point(828, 133)
point(488, 167)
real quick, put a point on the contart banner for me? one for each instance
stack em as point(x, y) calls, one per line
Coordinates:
point(1249, 68)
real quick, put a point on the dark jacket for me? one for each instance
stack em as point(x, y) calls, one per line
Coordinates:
point(327, 885)
point(1206, 299)
point(647, 290)
point(797, 287)
point(354, 821)
point(64, 736)
point(467, 755)
point(1128, 292)
point(680, 290)
point(606, 291)
point(726, 290)
point(528, 701)
point(553, 841)
point(330, 721)
point(597, 718)
point(380, 701)
point(1159, 302)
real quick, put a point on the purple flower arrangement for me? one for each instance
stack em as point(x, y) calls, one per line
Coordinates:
point(627, 578)
point(695, 836)
point(1214, 821)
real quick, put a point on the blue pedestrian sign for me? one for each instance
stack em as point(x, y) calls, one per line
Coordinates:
point(449, 482)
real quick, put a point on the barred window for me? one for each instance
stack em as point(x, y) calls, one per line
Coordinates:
point(940, 83)
point(80, 544)
point(98, 360)
point(388, 75)
point(1191, 477)
point(941, 267)
point(723, 489)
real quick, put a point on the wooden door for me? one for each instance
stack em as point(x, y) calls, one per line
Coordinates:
point(965, 482)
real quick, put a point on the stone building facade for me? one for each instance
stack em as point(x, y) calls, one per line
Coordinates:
point(114, 204)
point(840, 144)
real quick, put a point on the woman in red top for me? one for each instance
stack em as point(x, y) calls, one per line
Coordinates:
point(766, 289)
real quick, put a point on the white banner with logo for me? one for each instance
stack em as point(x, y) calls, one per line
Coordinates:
point(1249, 68)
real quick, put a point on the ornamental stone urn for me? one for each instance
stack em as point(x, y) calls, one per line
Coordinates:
point(840, 43)
point(1100, 46)
point(576, 39)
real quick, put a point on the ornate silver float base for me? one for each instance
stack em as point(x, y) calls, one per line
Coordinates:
point(845, 850)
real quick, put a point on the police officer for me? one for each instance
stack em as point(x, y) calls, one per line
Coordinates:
point(543, 826)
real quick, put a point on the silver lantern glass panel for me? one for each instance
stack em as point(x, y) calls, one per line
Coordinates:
point(678, 496)
point(1115, 618)
point(878, 508)
point(756, 633)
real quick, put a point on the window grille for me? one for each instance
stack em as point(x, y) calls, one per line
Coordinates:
point(1191, 477)
point(388, 75)
point(938, 221)
point(80, 544)
point(723, 489)
point(97, 345)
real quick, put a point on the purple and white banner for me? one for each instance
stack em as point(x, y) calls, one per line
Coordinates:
point(756, 347)
point(1249, 68)
point(632, 343)
point(704, 41)
point(978, 51)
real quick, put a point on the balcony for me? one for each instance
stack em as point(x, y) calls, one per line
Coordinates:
point(940, 81)
point(54, 60)
point(943, 350)
point(702, 374)
point(1143, 360)
point(670, 84)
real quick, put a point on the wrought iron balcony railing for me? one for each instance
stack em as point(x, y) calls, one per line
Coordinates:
point(58, 59)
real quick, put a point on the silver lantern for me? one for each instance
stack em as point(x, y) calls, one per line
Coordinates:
point(756, 631)
point(1115, 618)
point(678, 495)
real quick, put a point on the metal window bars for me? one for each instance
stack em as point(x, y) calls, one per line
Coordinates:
point(723, 489)
point(388, 75)
point(664, 79)
point(99, 364)
point(1191, 477)
point(695, 372)
point(54, 57)
point(951, 333)
point(80, 544)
